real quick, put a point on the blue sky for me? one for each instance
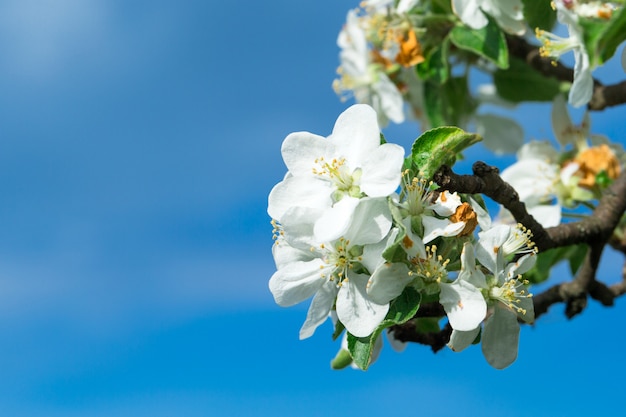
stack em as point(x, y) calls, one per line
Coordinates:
point(139, 141)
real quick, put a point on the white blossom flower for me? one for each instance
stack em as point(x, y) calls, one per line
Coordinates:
point(554, 46)
point(535, 177)
point(508, 13)
point(334, 173)
point(364, 78)
point(507, 295)
point(306, 268)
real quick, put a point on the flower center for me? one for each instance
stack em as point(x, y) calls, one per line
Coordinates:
point(432, 268)
point(417, 194)
point(339, 258)
point(510, 294)
point(346, 182)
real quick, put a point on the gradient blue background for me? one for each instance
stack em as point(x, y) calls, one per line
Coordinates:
point(138, 143)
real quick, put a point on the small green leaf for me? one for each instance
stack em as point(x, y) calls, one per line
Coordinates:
point(576, 257)
point(339, 328)
point(450, 103)
point(575, 254)
point(401, 310)
point(522, 83)
point(539, 14)
point(488, 42)
point(435, 66)
point(440, 146)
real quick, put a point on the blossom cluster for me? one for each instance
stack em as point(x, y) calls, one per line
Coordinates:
point(549, 180)
point(405, 57)
point(356, 227)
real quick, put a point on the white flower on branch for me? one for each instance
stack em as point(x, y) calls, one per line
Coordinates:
point(364, 78)
point(334, 173)
point(554, 46)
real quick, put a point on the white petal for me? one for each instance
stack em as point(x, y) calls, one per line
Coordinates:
point(561, 121)
point(335, 221)
point(540, 149)
point(373, 253)
point(318, 311)
point(434, 227)
point(469, 12)
point(508, 14)
point(388, 282)
point(469, 272)
point(582, 88)
point(371, 221)
point(488, 250)
point(298, 191)
point(406, 5)
point(355, 310)
point(546, 215)
point(446, 204)
point(461, 340)
point(390, 102)
point(297, 281)
point(531, 178)
point(521, 266)
point(500, 338)
point(298, 227)
point(285, 254)
point(382, 170)
point(464, 305)
point(356, 133)
point(301, 149)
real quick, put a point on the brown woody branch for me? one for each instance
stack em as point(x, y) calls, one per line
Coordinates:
point(603, 95)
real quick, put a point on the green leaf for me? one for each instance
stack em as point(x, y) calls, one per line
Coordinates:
point(522, 83)
point(339, 328)
point(488, 42)
point(575, 254)
point(602, 37)
point(450, 103)
point(439, 146)
point(576, 257)
point(435, 66)
point(401, 310)
point(539, 14)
